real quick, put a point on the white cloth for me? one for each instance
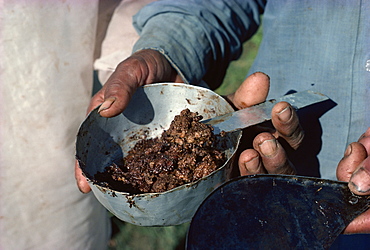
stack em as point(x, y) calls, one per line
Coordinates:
point(46, 67)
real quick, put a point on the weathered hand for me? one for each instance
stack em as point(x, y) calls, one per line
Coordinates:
point(143, 67)
point(267, 155)
point(355, 169)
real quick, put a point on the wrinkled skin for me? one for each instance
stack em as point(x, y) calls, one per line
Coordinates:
point(267, 154)
point(355, 169)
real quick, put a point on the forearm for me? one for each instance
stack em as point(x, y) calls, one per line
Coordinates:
point(199, 38)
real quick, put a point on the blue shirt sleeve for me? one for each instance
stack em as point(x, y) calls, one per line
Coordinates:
point(198, 37)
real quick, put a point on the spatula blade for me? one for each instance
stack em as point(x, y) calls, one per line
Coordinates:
point(262, 112)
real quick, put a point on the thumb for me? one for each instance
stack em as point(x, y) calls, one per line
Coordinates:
point(118, 90)
point(252, 91)
point(116, 98)
point(82, 183)
point(143, 67)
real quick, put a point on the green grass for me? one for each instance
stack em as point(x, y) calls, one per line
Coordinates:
point(131, 237)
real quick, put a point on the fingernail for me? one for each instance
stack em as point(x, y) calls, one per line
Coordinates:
point(285, 114)
point(248, 165)
point(264, 74)
point(360, 180)
point(268, 147)
point(106, 104)
point(348, 150)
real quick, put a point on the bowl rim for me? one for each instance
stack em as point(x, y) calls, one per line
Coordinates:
point(186, 185)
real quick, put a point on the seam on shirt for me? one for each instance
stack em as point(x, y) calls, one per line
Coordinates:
point(352, 70)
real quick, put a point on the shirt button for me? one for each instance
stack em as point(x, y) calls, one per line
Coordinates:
point(367, 66)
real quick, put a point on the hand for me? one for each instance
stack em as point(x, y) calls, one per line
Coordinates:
point(143, 67)
point(267, 155)
point(355, 169)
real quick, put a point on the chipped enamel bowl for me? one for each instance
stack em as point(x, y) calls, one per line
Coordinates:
point(104, 141)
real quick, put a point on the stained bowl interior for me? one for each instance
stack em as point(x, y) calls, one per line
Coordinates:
point(104, 141)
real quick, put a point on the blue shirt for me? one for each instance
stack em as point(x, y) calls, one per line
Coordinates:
point(307, 44)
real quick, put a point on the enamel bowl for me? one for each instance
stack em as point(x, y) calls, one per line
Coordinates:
point(102, 142)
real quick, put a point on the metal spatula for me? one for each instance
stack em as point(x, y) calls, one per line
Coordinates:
point(274, 212)
point(262, 112)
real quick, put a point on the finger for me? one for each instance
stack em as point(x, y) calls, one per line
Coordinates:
point(82, 183)
point(361, 224)
point(252, 91)
point(359, 182)
point(286, 123)
point(273, 155)
point(250, 163)
point(365, 140)
point(366, 134)
point(353, 156)
point(117, 92)
point(95, 101)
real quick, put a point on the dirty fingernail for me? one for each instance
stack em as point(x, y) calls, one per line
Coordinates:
point(360, 180)
point(106, 104)
point(268, 147)
point(285, 114)
point(252, 164)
